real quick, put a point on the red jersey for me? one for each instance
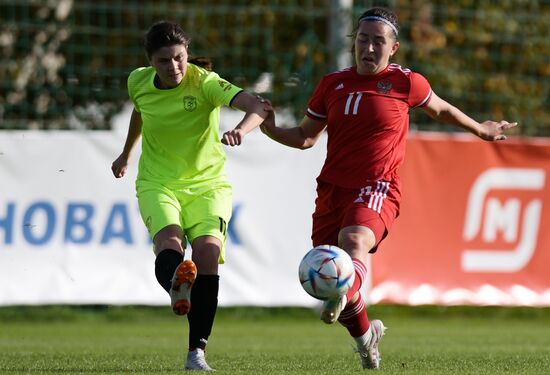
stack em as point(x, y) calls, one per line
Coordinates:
point(367, 120)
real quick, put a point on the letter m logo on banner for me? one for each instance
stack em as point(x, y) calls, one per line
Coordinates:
point(516, 220)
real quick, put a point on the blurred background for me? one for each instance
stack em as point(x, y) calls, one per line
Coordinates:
point(64, 63)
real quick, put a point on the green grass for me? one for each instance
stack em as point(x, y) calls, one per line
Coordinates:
point(141, 340)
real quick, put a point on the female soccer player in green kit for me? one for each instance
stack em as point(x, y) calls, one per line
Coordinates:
point(182, 189)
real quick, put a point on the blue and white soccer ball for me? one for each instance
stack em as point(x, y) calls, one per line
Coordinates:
point(326, 272)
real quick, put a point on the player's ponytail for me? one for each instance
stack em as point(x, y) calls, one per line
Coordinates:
point(203, 62)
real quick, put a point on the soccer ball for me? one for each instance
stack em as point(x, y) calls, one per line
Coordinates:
point(326, 272)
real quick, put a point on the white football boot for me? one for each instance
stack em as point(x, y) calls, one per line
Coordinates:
point(332, 309)
point(196, 361)
point(182, 281)
point(367, 345)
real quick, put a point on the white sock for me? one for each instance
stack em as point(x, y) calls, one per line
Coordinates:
point(364, 340)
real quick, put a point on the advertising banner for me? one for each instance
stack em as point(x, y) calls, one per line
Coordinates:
point(70, 233)
point(471, 229)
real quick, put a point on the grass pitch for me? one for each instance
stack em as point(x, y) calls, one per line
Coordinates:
point(145, 340)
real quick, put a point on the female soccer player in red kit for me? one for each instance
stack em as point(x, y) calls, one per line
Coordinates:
point(364, 109)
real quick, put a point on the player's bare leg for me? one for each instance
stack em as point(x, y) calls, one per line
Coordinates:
point(357, 241)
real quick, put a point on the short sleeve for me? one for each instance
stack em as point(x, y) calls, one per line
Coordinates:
point(316, 107)
point(420, 90)
point(218, 91)
point(132, 89)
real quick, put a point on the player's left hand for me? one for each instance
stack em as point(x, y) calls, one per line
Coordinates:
point(233, 137)
point(494, 131)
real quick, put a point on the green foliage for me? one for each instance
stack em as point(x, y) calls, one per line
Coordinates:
point(491, 59)
point(64, 64)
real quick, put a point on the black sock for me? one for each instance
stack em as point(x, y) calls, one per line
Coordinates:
point(165, 265)
point(204, 302)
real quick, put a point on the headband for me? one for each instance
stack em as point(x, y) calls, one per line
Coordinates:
point(381, 19)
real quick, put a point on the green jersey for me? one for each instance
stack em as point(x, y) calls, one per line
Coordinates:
point(180, 134)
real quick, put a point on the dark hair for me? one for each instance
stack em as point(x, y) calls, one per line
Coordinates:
point(203, 62)
point(383, 13)
point(164, 34)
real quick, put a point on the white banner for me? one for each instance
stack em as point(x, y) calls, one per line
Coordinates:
point(70, 233)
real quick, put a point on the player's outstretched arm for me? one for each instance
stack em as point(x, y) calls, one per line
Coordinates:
point(120, 165)
point(256, 109)
point(440, 110)
point(303, 136)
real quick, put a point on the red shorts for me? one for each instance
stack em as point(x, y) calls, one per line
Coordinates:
point(374, 206)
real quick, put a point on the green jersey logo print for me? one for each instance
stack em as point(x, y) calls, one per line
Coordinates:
point(189, 103)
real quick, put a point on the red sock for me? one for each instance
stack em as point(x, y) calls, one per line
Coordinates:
point(354, 318)
point(360, 275)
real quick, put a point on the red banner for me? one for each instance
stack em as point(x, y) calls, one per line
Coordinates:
point(473, 227)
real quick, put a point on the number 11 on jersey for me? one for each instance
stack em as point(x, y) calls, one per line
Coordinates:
point(355, 98)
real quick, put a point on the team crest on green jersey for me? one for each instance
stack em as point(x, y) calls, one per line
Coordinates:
point(189, 103)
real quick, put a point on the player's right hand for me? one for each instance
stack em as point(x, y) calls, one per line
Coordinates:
point(119, 166)
point(233, 137)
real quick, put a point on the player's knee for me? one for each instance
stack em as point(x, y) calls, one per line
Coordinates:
point(173, 243)
point(169, 237)
point(353, 242)
point(212, 254)
point(357, 241)
point(206, 253)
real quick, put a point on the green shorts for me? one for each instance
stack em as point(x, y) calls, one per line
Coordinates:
point(199, 211)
